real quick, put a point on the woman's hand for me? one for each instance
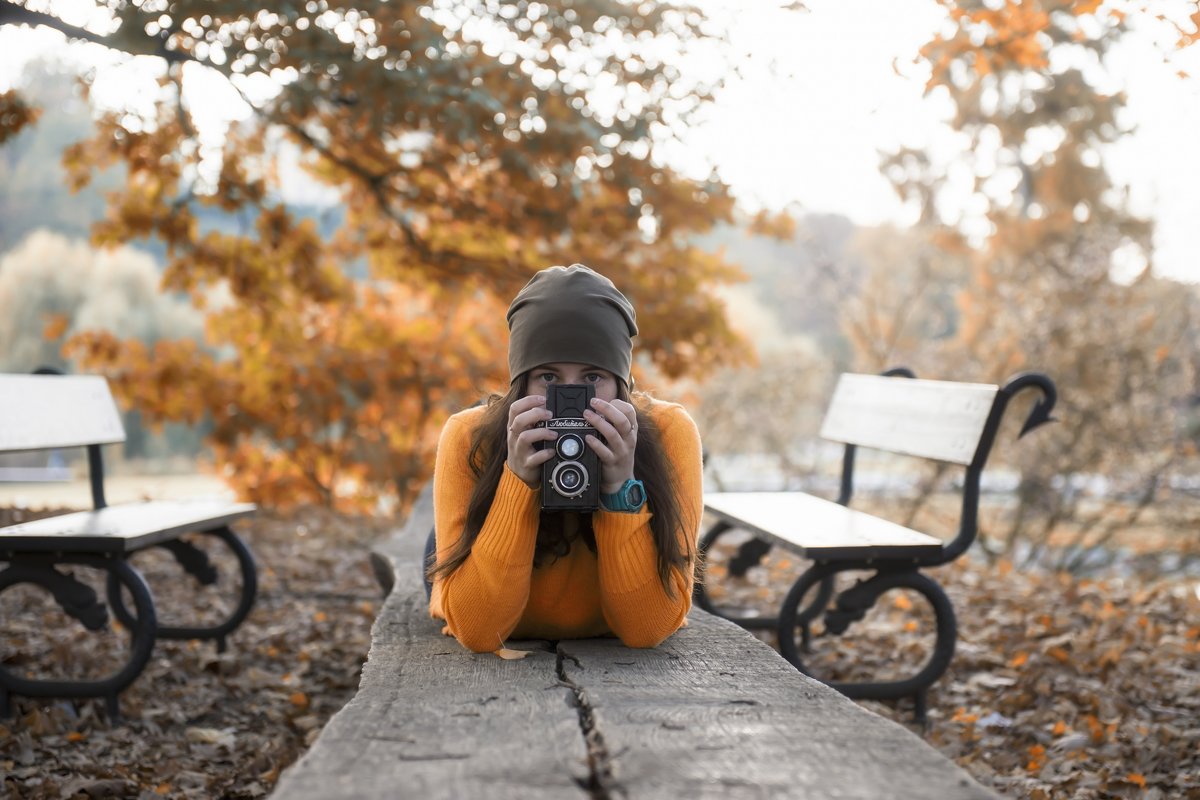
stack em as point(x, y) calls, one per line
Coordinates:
point(617, 423)
point(524, 459)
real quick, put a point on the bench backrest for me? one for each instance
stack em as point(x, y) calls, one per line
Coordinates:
point(39, 412)
point(940, 420)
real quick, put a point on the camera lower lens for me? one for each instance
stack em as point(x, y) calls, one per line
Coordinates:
point(569, 479)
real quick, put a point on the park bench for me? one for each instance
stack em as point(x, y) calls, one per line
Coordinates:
point(49, 412)
point(711, 712)
point(948, 422)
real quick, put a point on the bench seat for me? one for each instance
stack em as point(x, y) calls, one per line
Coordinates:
point(52, 412)
point(819, 529)
point(120, 529)
point(946, 422)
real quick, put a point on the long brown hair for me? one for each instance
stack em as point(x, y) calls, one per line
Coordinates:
point(489, 451)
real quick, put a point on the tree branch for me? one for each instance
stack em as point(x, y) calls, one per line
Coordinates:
point(15, 14)
point(375, 183)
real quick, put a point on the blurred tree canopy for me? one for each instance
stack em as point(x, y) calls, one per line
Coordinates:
point(1054, 272)
point(471, 144)
point(35, 194)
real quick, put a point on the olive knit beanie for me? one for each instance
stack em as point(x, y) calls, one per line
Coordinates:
point(570, 314)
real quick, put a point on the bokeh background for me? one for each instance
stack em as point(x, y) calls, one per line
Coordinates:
point(288, 232)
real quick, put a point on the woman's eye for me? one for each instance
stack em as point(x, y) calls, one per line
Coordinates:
point(593, 378)
point(546, 377)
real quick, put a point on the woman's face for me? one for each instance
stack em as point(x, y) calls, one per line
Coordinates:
point(565, 372)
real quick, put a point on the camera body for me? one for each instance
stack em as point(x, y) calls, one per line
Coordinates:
point(571, 479)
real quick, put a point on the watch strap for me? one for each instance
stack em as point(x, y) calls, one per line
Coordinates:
point(620, 500)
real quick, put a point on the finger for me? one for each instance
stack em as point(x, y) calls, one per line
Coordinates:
point(525, 404)
point(622, 423)
point(603, 426)
point(603, 451)
point(531, 435)
point(539, 457)
point(627, 409)
point(528, 420)
point(523, 446)
point(619, 435)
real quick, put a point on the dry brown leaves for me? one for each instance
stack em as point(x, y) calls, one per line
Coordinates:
point(197, 724)
point(1060, 687)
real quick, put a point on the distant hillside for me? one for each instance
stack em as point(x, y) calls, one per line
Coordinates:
point(33, 191)
point(803, 281)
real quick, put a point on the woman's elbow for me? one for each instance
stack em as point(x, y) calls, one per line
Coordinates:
point(474, 634)
point(643, 640)
point(649, 633)
point(476, 641)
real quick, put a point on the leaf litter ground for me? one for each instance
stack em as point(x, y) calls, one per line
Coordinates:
point(1060, 687)
point(197, 724)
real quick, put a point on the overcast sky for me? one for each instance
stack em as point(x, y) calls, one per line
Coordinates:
point(821, 100)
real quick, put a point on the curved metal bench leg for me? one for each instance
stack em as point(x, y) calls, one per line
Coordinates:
point(851, 605)
point(791, 616)
point(39, 570)
point(813, 610)
point(749, 555)
point(196, 562)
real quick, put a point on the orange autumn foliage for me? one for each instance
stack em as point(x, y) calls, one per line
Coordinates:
point(333, 353)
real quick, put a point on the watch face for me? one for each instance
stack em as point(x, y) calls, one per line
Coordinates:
point(635, 495)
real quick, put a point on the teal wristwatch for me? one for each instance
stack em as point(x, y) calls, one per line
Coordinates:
point(629, 498)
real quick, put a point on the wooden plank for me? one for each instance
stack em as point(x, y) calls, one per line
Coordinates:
point(941, 420)
point(818, 528)
point(432, 720)
point(712, 712)
point(45, 411)
point(121, 529)
point(715, 713)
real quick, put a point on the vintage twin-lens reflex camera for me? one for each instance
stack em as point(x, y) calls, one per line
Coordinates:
point(570, 480)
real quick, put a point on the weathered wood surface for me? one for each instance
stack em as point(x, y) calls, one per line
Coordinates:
point(713, 712)
point(942, 420)
point(121, 529)
point(819, 528)
point(432, 720)
point(45, 411)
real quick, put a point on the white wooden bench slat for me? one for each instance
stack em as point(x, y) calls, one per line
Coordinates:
point(123, 528)
point(942, 420)
point(818, 528)
point(46, 411)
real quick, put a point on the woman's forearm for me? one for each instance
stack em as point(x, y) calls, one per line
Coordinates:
point(484, 598)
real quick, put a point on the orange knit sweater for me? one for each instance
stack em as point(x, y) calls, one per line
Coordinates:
point(497, 594)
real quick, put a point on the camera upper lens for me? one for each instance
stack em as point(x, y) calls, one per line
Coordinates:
point(570, 446)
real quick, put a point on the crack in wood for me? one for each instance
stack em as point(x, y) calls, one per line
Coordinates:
point(600, 783)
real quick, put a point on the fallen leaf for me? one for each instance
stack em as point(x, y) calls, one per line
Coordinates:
point(222, 738)
point(512, 655)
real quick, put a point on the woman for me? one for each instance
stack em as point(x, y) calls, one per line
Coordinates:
point(506, 569)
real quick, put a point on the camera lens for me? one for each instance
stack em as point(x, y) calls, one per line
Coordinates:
point(569, 479)
point(570, 446)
